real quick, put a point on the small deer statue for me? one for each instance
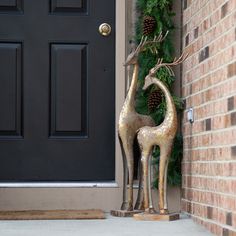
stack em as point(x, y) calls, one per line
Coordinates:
point(129, 122)
point(162, 136)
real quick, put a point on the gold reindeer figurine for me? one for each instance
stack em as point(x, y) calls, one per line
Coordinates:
point(162, 136)
point(129, 122)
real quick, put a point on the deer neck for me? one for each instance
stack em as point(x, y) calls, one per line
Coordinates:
point(130, 98)
point(170, 110)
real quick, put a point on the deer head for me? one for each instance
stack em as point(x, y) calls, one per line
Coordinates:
point(159, 64)
point(133, 56)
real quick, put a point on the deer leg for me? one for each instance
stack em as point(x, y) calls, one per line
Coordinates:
point(151, 208)
point(146, 181)
point(128, 150)
point(165, 188)
point(165, 151)
point(125, 177)
point(139, 202)
point(130, 162)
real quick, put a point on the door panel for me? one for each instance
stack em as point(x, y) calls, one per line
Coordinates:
point(68, 89)
point(79, 6)
point(11, 5)
point(56, 91)
point(10, 89)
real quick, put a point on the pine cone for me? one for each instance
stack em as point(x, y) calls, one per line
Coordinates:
point(154, 100)
point(149, 25)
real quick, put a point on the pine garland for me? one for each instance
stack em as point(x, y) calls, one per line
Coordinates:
point(162, 11)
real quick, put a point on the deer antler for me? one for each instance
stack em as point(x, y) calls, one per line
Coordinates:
point(175, 62)
point(144, 42)
point(133, 56)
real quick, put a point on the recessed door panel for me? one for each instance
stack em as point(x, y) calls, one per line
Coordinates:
point(11, 5)
point(10, 89)
point(68, 90)
point(60, 6)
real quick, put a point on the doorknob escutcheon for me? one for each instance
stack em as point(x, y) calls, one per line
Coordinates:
point(105, 29)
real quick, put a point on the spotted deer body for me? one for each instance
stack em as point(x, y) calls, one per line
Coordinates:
point(129, 123)
point(162, 135)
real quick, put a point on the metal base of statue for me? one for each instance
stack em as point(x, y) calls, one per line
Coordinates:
point(124, 213)
point(156, 217)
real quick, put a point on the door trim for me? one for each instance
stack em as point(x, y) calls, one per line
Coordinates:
point(120, 75)
point(59, 185)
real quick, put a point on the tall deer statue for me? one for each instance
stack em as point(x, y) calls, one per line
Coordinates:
point(162, 136)
point(129, 122)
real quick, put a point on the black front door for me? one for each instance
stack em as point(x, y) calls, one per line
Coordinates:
point(57, 91)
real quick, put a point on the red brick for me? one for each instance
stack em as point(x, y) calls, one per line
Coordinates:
point(209, 167)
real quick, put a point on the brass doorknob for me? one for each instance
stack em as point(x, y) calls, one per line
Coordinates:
point(105, 29)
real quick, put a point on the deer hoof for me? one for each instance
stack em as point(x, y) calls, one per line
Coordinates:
point(139, 206)
point(150, 211)
point(126, 206)
point(164, 212)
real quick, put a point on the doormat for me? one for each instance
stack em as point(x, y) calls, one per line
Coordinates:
point(53, 215)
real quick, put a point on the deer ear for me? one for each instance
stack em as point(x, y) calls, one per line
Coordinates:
point(152, 71)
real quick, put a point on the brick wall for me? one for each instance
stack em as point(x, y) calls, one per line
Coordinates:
point(209, 86)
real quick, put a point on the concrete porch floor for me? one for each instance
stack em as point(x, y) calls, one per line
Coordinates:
point(112, 226)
